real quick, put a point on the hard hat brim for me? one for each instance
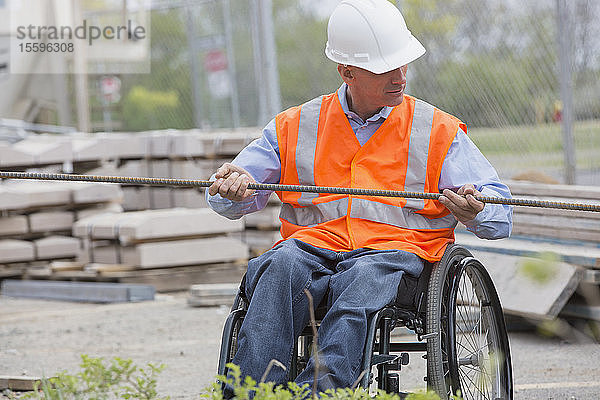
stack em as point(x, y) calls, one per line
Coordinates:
point(409, 53)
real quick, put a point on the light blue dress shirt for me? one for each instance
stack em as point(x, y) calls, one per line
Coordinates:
point(463, 164)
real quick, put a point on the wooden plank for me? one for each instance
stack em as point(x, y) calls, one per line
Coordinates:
point(561, 233)
point(582, 311)
point(557, 212)
point(212, 294)
point(59, 266)
point(556, 222)
point(78, 291)
point(527, 296)
point(549, 190)
point(19, 383)
point(9, 271)
point(180, 278)
point(586, 256)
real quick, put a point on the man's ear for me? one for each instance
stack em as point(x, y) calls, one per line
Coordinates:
point(345, 73)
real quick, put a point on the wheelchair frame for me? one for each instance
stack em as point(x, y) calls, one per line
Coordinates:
point(455, 312)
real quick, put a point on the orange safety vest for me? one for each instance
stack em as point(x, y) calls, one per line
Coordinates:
point(317, 146)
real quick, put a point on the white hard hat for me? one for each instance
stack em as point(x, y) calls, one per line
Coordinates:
point(370, 34)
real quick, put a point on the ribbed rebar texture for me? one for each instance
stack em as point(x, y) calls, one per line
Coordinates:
point(146, 181)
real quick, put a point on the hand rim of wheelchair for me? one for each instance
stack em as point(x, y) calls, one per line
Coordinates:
point(449, 281)
point(473, 358)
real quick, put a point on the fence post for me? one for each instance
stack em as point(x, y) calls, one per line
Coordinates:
point(566, 87)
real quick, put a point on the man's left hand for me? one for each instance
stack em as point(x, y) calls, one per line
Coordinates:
point(462, 204)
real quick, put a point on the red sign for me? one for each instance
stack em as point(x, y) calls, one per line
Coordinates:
point(215, 60)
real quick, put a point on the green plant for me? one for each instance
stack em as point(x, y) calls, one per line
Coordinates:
point(243, 387)
point(100, 380)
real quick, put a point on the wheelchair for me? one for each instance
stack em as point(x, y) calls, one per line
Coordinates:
point(455, 313)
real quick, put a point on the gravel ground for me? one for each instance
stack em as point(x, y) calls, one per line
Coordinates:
point(42, 337)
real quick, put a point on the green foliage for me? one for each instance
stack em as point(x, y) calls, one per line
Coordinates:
point(100, 380)
point(540, 269)
point(148, 109)
point(269, 391)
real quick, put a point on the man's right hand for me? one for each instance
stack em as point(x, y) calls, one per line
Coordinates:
point(232, 183)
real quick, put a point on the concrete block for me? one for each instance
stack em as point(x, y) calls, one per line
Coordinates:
point(267, 218)
point(90, 192)
point(54, 247)
point(9, 156)
point(45, 149)
point(155, 224)
point(90, 148)
point(159, 168)
point(186, 144)
point(194, 169)
point(169, 253)
point(161, 198)
point(78, 291)
point(212, 294)
point(38, 193)
point(16, 251)
point(134, 168)
point(189, 198)
point(522, 295)
point(136, 198)
point(228, 143)
point(106, 208)
point(51, 221)
point(124, 145)
point(11, 199)
point(14, 225)
point(185, 252)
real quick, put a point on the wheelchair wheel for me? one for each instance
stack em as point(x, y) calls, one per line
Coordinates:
point(467, 350)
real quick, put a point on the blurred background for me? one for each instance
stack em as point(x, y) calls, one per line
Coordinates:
point(524, 76)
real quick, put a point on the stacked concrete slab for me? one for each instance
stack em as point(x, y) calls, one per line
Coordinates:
point(129, 243)
point(37, 218)
point(190, 154)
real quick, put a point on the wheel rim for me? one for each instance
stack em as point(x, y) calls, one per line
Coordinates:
point(477, 368)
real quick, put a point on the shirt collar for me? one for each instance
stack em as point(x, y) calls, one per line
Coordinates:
point(383, 113)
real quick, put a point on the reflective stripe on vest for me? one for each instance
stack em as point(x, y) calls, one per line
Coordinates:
point(403, 217)
point(417, 152)
point(307, 147)
point(314, 214)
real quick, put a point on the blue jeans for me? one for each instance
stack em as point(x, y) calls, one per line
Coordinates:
point(356, 283)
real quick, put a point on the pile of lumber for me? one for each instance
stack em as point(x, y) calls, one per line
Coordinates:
point(37, 217)
point(564, 242)
point(168, 248)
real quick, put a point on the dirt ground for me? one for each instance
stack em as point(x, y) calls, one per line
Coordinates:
point(42, 337)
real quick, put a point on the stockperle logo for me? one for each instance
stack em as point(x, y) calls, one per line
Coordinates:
point(88, 32)
point(63, 36)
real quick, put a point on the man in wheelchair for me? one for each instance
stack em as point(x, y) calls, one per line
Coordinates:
point(351, 252)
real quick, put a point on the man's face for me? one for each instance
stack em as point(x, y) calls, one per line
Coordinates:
point(369, 90)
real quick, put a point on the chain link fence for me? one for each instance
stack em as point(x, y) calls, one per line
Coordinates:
point(494, 64)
